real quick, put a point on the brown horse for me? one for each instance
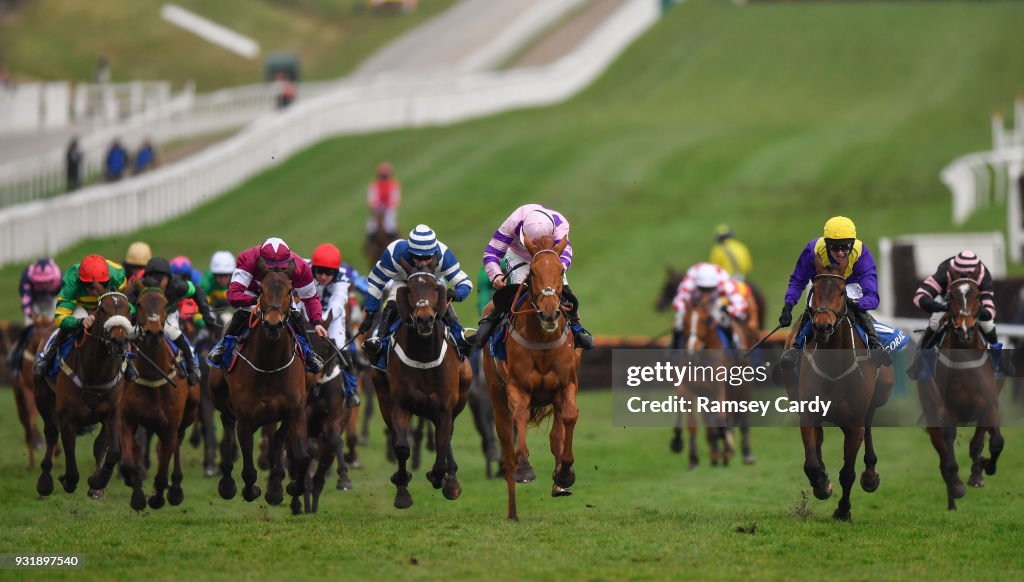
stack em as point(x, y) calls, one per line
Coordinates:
point(87, 391)
point(159, 400)
point(267, 384)
point(540, 376)
point(755, 299)
point(378, 241)
point(704, 347)
point(964, 390)
point(839, 370)
point(424, 378)
point(24, 397)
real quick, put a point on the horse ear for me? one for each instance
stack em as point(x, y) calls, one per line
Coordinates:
point(531, 247)
point(164, 282)
point(261, 265)
point(433, 263)
point(406, 265)
point(290, 269)
point(329, 319)
point(561, 246)
point(819, 267)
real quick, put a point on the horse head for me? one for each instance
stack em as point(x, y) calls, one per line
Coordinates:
point(545, 280)
point(828, 299)
point(668, 288)
point(425, 300)
point(964, 308)
point(113, 316)
point(151, 309)
point(275, 300)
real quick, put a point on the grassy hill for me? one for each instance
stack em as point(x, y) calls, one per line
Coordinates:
point(55, 40)
point(769, 117)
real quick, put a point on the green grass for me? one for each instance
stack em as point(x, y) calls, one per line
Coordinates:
point(769, 117)
point(636, 513)
point(58, 40)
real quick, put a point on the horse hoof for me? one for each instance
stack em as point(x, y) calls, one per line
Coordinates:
point(451, 488)
point(156, 501)
point(44, 486)
point(68, 484)
point(97, 494)
point(354, 464)
point(564, 476)
point(957, 490)
point(175, 495)
point(557, 491)
point(823, 492)
point(294, 488)
point(402, 499)
point(749, 459)
point(138, 501)
point(226, 488)
point(870, 482)
point(344, 484)
point(274, 496)
point(525, 474)
point(976, 481)
point(842, 516)
point(436, 481)
point(251, 492)
point(676, 445)
point(296, 506)
point(210, 471)
point(693, 466)
point(990, 467)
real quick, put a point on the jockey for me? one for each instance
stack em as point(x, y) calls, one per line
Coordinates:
point(421, 247)
point(930, 297)
point(839, 241)
point(178, 288)
point(383, 196)
point(136, 258)
point(534, 221)
point(39, 285)
point(730, 254)
point(243, 293)
point(709, 278)
point(80, 290)
point(181, 265)
point(332, 287)
point(215, 282)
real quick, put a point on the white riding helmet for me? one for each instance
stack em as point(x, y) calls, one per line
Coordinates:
point(536, 225)
point(222, 263)
point(706, 276)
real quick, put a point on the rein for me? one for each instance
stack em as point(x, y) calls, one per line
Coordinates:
point(840, 316)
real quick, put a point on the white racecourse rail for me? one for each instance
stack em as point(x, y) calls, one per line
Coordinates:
point(44, 227)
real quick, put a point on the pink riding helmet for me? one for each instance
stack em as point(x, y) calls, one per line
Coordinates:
point(537, 224)
point(44, 274)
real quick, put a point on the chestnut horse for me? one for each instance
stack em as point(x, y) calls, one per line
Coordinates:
point(704, 347)
point(159, 400)
point(540, 375)
point(267, 384)
point(964, 390)
point(838, 369)
point(425, 378)
point(24, 397)
point(88, 390)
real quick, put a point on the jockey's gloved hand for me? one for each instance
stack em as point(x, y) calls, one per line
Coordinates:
point(367, 321)
point(451, 294)
point(853, 303)
point(786, 317)
point(985, 315)
point(930, 305)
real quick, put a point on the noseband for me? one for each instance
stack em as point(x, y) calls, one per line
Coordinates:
point(839, 315)
point(420, 303)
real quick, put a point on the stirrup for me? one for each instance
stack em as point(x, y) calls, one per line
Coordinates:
point(314, 364)
point(372, 347)
point(352, 400)
point(788, 360)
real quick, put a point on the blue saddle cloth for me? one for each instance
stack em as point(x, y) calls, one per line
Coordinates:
point(65, 349)
point(385, 348)
point(893, 339)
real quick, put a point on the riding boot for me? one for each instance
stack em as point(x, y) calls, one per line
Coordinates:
point(45, 360)
point(239, 320)
point(451, 319)
point(314, 363)
point(879, 356)
point(581, 336)
point(788, 360)
point(373, 345)
point(502, 300)
point(191, 370)
point(1002, 358)
point(927, 342)
point(351, 389)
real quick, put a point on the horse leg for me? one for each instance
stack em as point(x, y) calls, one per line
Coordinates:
point(444, 465)
point(691, 430)
point(568, 413)
point(676, 444)
point(869, 479)
point(367, 406)
point(267, 433)
point(27, 419)
point(335, 446)
point(853, 437)
point(68, 434)
point(300, 480)
point(400, 442)
point(112, 428)
point(130, 469)
point(417, 443)
point(275, 460)
point(209, 428)
point(977, 461)
point(748, 455)
point(947, 464)
point(520, 406)
point(164, 450)
point(813, 467)
point(506, 436)
point(51, 432)
point(483, 420)
point(175, 495)
point(246, 435)
point(436, 473)
point(352, 441)
point(995, 446)
point(226, 487)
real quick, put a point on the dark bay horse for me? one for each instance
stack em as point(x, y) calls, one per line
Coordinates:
point(159, 400)
point(424, 378)
point(964, 390)
point(267, 384)
point(704, 347)
point(838, 369)
point(87, 391)
point(24, 391)
point(539, 377)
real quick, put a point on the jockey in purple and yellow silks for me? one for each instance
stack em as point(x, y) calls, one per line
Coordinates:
point(839, 241)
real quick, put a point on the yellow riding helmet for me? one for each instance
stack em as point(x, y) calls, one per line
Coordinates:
point(840, 227)
point(138, 253)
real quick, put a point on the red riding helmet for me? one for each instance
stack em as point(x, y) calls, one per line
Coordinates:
point(275, 250)
point(93, 269)
point(327, 256)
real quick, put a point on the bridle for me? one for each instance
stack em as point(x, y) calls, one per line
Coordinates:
point(109, 323)
point(962, 312)
point(423, 303)
point(824, 309)
point(539, 293)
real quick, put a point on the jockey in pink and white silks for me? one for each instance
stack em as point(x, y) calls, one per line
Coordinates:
point(243, 293)
point(534, 221)
point(704, 278)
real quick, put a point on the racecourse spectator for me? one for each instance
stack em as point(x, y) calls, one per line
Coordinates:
point(145, 158)
point(116, 162)
point(73, 159)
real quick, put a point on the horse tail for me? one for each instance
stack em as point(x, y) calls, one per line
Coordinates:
point(539, 413)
